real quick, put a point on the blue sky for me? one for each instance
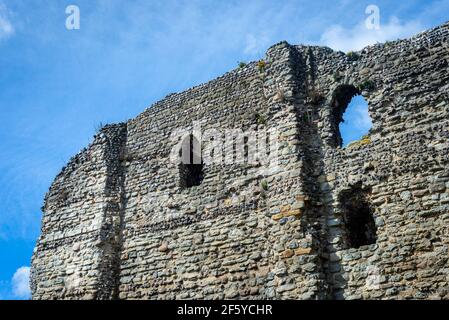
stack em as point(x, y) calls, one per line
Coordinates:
point(57, 85)
point(356, 120)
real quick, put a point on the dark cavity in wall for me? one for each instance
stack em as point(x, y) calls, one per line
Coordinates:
point(191, 169)
point(359, 225)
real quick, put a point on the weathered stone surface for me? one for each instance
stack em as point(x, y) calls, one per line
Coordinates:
point(119, 224)
point(302, 251)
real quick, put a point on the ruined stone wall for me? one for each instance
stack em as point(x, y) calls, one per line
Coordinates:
point(119, 224)
point(74, 251)
point(404, 165)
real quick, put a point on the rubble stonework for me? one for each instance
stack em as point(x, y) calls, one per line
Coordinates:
point(118, 223)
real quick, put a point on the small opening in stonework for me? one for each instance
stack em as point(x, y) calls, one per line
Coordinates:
point(191, 169)
point(267, 145)
point(356, 121)
point(245, 148)
point(351, 117)
point(358, 217)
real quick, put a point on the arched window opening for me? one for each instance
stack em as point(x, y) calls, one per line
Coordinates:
point(358, 217)
point(191, 167)
point(351, 117)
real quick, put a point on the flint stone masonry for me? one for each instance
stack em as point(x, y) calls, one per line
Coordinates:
point(118, 224)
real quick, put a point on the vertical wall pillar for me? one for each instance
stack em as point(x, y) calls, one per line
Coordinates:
point(286, 89)
point(110, 240)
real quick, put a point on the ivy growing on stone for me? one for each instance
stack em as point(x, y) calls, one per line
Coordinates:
point(261, 65)
point(241, 64)
point(353, 56)
point(260, 119)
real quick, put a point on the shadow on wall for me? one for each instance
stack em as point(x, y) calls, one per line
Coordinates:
point(359, 225)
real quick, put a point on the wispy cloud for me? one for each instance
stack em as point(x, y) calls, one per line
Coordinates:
point(357, 116)
point(21, 283)
point(357, 121)
point(256, 45)
point(358, 37)
point(6, 27)
point(362, 119)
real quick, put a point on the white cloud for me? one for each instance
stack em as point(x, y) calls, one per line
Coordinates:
point(21, 283)
point(340, 38)
point(362, 119)
point(6, 28)
point(251, 44)
point(256, 46)
point(357, 121)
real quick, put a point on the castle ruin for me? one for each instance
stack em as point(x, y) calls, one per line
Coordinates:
point(309, 220)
